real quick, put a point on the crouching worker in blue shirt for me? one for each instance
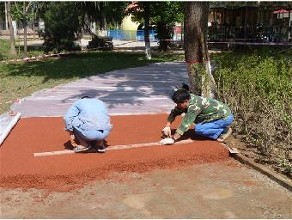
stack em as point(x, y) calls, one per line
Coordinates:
point(88, 124)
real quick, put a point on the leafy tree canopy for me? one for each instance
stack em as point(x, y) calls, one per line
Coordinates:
point(2, 9)
point(162, 14)
point(166, 12)
point(105, 13)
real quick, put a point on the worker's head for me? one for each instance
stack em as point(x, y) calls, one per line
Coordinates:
point(182, 98)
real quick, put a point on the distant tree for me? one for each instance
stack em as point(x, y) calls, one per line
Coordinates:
point(142, 11)
point(146, 30)
point(24, 12)
point(104, 13)
point(65, 21)
point(11, 29)
point(196, 50)
point(62, 26)
point(164, 15)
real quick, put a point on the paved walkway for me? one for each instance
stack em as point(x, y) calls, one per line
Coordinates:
point(140, 90)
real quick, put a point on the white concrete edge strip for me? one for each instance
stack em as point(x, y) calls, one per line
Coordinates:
point(9, 127)
point(115, 147)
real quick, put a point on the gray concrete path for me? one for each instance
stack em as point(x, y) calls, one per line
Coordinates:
point(141, 90)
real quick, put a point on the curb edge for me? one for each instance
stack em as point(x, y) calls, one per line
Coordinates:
point(272, 175)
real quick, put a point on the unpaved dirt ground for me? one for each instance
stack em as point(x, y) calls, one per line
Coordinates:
point(222, 189)
point(197, 180)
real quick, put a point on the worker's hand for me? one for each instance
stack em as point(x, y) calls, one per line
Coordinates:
point(166, 141)
point(166, 131)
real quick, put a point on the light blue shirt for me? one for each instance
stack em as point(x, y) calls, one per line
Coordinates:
point(87, 116)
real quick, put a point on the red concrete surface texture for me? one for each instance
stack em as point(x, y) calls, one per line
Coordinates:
point(20, 169)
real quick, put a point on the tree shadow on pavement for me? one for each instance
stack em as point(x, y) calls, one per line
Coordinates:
point(139, 87)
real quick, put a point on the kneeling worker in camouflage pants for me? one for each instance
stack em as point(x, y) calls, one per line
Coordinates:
point(211, 117)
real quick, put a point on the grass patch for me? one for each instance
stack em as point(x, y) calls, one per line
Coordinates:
point(5, 50)
point(21, 79)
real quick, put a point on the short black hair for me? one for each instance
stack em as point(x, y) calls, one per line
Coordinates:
point(180, 95)
point(85, 97)
point(185, 86)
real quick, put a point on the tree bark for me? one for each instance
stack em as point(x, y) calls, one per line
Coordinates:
point(196, 50)
point(6, 16)
point(25, 38)
point(11, 29)
point(146, 30)
point(24, 30)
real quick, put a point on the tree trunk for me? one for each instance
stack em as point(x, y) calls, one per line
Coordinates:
point(146, 30)
point(6, 16)
point(11, 29)
point(104, 23)
point(196, 51)
point(33, 22)
point(24, 31)
point(25, 38)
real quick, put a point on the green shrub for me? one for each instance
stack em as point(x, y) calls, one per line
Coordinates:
point(62, 27)
point(258, 87)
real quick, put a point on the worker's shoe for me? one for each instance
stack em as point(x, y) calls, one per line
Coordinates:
point(101, 149)
point(81, 148)
point(224, 135)
point(100, 146)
